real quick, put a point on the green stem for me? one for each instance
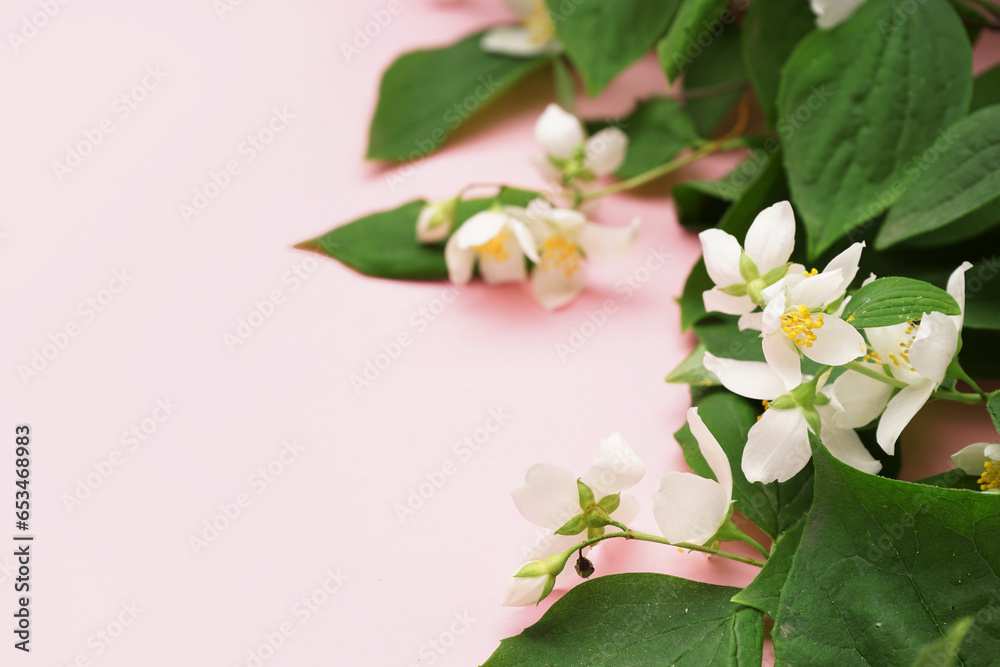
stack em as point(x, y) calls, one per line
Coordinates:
point(960, 397)
point(663, 169)
point(729, 532)
point(874, 374)
point(959, 372)
point(646, 537)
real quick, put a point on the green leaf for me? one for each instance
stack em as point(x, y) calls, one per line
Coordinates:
point(691, 301)
point(658, 129)
point(885, 567)
point(970, 225)
point(771, 31)
point(633, 620)
point(860, 103)
point(697, 23)
point(773, 507)
point(963, 176)
point(715, 81)
point(603, 38)
point(986, 89)
point(692, 370)
point(764, 591)
point(943, 652)
point(565, 87)
point(426, 95)
point(701, 204)
point(895, 300)
point(993, 407)
point(952, 479)
point(723, 338)
point(384, 244)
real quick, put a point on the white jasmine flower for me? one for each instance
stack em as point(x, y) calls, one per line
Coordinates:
point(436, 220)
point(778, 444)
point(533, 581)
point(830, 13)
point(498, 240)
point(532, 36)
point(566, 239)
point(739, 273)
point(917, 354)
point(982, 460)
point(570, 154)
point(689, 508)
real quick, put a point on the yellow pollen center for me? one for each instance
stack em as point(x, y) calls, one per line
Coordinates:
point(810, 273)
point(800, 325)
point(767, 406)
point(539, 25)
point(495, 249)
point(903, 357)
point(991, 476)
point(557, 251)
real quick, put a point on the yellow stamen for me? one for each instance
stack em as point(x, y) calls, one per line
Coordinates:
point(799, 326)
point(991, 477)
point(538, 24)
point(495, 249)
point(810, 273)
point(767, 406)
point(558, 251)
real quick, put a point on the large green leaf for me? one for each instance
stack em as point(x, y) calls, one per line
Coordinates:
point(771, 31)
point(860, 103)
point(658, 129)
point(764, 592)
point(698, 23)
point(888, 301)
point(384, 244)
point(640, 620)
point(773, 507)
point(426, 95)
point(885, 567)
point(602, 38)
point(692, 370)
point(715, 81)
point(963, 177)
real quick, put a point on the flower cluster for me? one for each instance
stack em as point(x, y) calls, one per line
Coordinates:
point(799, 319)
point(689, 510)
point(556, 240)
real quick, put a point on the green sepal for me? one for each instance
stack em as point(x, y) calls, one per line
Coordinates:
point(812, 419)
point(783, 402)
point(748, 268)
point(610, 503)
point(574, 526)
point(776, 274)
point(597, 517)
point(737, 289)
point(594, 531)
point(586, 495)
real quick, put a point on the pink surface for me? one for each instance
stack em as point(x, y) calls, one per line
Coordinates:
point(152, 353)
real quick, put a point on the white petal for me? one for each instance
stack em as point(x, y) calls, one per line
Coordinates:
point(523, 591)
point(993, 452)
point(783, 359)
point(431, 213)
point(722, 257)
point(845, 444)
point(971, 459)
point(480, 228)
point(887, 341)
point(837, 343)
point(830, 13)
point(870, 279)
point(753, 379)
point(565, 220)
point(554, 288)
point(606, 151)
point(934, 346)
point(900, 411)
point(616, 467)
point(607, 243)
point(505, 267)
point(548, 497)
point(956, 288)
point(525, 239)
point(513, 40)
point(777, 446)
point(817, 290)
point(753, 321)
point(791, 279)
point(460, 261)
point(559, 132)
point(627, 511)
point(720, 302)
point(770, 319)
point(847, 262)
point(771, 237)
point(863, 399)
point(714, 455)
point(689, 508)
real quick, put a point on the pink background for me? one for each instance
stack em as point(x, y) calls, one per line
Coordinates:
point(162, 338)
